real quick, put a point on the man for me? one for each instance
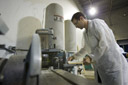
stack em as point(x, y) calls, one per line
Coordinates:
point(111, 67)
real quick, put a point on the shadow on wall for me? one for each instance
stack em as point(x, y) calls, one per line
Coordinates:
point(26, 28)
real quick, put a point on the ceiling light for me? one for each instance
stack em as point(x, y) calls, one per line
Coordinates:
point(92, 11)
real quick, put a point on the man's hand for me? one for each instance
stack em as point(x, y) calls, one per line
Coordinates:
point(87, 60)
point(71, 58)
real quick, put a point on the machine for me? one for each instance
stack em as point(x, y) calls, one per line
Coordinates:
point(51, 56)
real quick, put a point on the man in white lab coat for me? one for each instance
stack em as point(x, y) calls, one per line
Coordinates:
point(111, 67)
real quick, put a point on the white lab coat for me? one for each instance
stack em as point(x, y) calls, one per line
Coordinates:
point(101, 45)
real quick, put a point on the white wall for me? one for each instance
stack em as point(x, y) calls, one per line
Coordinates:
point(23, 17)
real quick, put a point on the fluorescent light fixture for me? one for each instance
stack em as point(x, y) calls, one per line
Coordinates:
point(92, 11)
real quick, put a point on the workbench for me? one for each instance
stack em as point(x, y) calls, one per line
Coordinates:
point(61, 77)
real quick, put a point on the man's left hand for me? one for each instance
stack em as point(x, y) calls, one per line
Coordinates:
point(87, 60)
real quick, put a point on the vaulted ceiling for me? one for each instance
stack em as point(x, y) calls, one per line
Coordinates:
point(102, 6)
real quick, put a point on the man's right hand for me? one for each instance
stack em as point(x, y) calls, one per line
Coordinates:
point(71, 58)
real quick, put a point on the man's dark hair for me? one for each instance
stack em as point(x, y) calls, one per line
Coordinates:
point(77, 16)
